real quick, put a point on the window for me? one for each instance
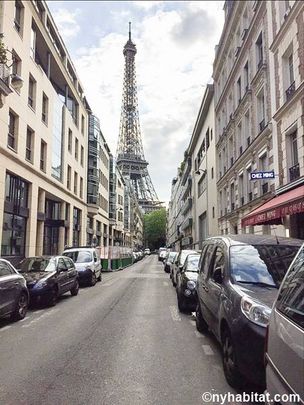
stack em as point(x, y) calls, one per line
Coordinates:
point(16, 66)
point(263, 166)
point(239, 89)
point(207, 258)
point(70, 140)
point(249, 192)
point(18, 19)
point(292, 156)
point(12, 130)
point(45, 108)
point(290, 300)
point(69, 175)
point(246, 76)
point(76, 148)
point(202, 185)
point(261, 111)
point(290, 69)
point(207, 139)
point(33, 43)
point(5, 269)
point(241, 189)
point(219, 262)
point(43, 156)
point(82, 124)
point(32, 92)
point(81, 155)
point(75, 182)
point(259, 50)
point(13, 235)
point(81, 187)
point(29, 144)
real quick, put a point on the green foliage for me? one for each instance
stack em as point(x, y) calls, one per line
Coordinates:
point(155, 229)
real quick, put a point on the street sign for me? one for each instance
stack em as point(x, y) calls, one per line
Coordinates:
point(262, 175)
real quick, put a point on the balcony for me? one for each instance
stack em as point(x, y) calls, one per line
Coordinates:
point(187, 241)
point(187, 206)
point(187, 224)
point(290, 91)
point(294, 172)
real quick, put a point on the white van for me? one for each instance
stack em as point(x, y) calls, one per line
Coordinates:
point(87, 264)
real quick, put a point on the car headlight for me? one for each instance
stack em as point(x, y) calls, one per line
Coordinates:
point(41, 284)
point(191, 285)
point(256, 312)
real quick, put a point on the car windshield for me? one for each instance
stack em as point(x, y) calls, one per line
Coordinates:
point(171, 257)
point(184, 255)
point(262, 265)
point(79, 256)
point(37, 265)
point(192, 263)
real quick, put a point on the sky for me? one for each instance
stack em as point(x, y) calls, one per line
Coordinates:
point(175, 43)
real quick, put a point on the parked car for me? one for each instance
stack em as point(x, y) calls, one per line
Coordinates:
point(178, 264)
point(147, 251)
point(285, 346)
point(87, 264)
point(14, 296)
point(237, 284)
point(48, 277)
point(162, 251)
point(169, 261)
point(186, 284)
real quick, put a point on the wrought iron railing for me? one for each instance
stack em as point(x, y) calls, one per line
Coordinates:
point(294, 172)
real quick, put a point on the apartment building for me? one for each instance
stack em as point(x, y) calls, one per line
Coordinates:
point(43, 138)
point(203, 174)
point(98, 185)
point(175, 215)
point(286, 42)
point(243, 116)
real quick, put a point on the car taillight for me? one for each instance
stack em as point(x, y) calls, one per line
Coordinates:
point(266, 345)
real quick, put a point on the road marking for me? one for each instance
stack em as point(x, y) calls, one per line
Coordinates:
point(166, 283)
point(174, 313)
point(207, 350)
point(5, 328)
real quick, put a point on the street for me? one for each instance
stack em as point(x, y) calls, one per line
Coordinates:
point(120, 342)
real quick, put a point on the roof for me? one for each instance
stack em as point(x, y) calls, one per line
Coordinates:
point(250, 239)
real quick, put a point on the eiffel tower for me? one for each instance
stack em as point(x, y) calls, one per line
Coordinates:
point(130, 156)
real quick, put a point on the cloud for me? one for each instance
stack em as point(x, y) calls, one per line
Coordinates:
point(170, 74)
point(147, 4)
point(66, 22)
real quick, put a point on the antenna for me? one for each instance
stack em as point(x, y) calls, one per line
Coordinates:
point(273, 228)
point(129, 31)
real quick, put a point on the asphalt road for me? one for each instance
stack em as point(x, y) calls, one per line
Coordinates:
point(120, 342)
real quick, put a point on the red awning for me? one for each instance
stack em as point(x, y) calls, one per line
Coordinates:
point(289, 203)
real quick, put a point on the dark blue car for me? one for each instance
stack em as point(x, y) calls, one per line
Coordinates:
point(14, 297)
point(48, 277)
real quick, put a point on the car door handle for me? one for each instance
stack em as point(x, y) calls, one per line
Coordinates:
point(205, 287)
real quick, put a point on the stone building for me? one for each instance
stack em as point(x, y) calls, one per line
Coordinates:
point(43, 138)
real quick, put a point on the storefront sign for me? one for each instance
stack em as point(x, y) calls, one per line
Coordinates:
point(262, 175)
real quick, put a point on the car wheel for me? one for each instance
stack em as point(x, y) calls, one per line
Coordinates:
point(21, 307)
point(53, 297)
point(181, 304)
point(74, 291)
point(200, 322)
point(230, 367)
point(93, 280)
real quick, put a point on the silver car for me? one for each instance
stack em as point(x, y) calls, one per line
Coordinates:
point(285, 348)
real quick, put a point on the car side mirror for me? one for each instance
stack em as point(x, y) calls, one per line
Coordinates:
point(217, 275)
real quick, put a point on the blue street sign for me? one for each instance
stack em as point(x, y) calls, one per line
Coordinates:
point(262, 175)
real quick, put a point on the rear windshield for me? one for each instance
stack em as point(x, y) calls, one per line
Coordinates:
point(79, 256)
point(37, 265)
point(192, 262)
point(184, 255)
point(261, 264)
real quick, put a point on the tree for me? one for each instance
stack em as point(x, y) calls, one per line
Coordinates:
point(155, 229)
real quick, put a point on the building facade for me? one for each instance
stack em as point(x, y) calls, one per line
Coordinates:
point(243, 116)
point(43, 138)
